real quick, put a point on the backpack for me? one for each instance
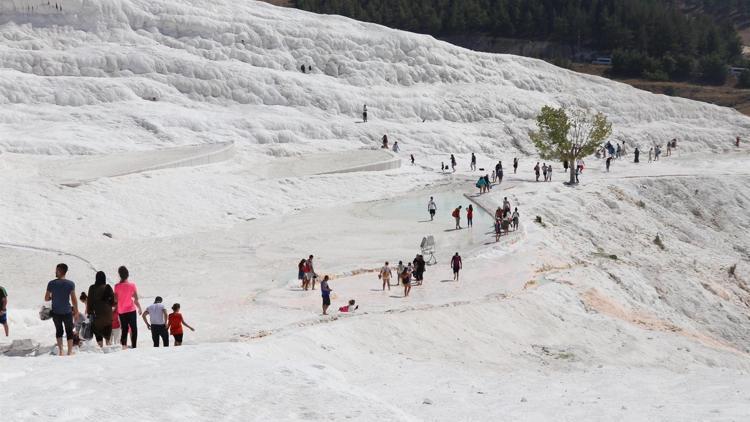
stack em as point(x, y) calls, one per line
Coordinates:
point(456, 212)
point(45, 313)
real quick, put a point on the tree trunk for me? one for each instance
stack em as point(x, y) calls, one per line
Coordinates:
point(572, 174)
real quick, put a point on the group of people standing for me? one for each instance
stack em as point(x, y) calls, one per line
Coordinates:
point(545, 169)
point(404, 274)
point(654, 153)
point(505, 220)
point(109, 312)
point(307, 276)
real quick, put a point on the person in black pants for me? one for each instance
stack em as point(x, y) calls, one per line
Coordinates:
point(158, 325)
point(126, 293)
point(62, 292)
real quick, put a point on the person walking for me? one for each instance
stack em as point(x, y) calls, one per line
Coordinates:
point(636, 154)
point(453, 163)
point(158, 325)
point(608, 162)
point(175, 323)
point(737, 142)
point(544, 171)
point(515, 165)
point(578, 171)
point(406, 279)
point(412, 159)
point(399, 269)
point(549, 172)
point(325, 292)
point(456, 265)
point(126, 293)
point(62, 292)
point(650, 154)
point(364, 114)
point(515, 219)
point(396, 148)
point(565, 165)
point(473, 165)
point(432, 208)
point(469, 216)
point(4, 309)
point(457, 216)
point(99, 306)
point(506, 207)
point(385, 275)
point(420, 266)
point(499, 170)
point(536, 171)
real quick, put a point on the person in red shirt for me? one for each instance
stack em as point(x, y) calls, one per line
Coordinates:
point(457, 216)
point(469, 216)
point(175, 323)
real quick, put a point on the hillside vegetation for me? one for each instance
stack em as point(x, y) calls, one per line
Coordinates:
point(653, 40)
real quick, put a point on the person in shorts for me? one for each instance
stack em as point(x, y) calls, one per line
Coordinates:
point(325, 292)
point(310, 272)
point(175, 321)
point(432, 208)
point(385, 275)
point(457, 265)
point(406, 279)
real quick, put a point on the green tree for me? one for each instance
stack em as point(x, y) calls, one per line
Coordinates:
point(743, 80)
point(713, 70)
point(569, 135)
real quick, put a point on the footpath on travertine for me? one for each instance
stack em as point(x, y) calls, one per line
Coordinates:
point(75, 171)
point(79, 170)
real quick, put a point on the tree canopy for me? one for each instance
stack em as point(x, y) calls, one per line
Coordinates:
point(567, 135)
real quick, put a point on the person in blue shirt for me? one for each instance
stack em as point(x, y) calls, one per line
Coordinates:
point(62, 292)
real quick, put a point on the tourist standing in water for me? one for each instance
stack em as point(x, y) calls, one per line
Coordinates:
point(432, 208)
